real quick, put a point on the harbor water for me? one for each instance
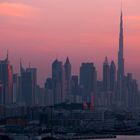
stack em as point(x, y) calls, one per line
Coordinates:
point(124, 138)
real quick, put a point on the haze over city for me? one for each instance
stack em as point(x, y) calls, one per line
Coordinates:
point(40, 31)
point(69, 69)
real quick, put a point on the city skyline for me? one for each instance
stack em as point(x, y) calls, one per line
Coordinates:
point(66, 46)
point(69, 69)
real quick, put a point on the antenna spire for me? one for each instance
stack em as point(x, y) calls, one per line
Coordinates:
point(21, 67)
point(7, 57)
point(121, 7)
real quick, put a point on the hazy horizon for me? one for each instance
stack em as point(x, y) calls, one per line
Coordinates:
point(86, 31)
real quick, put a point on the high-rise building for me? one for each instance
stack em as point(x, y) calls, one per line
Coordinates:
point(106, 76)
point(131, 94)
point(67, 68)
point(127, 89)
point(121, 53)
point(28, 85)
point(40, 96)
point(6, 78)
point(49, 96)
point(112, 76)
point(74, 85)
point(136, 94)
point(16, 88)
point(1, 93)
point(74, 88)
point(88, 81)
point(58, 80)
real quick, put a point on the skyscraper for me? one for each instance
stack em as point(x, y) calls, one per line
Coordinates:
point(49, 98)
point(16, 88)
point(67, 68)
point(74, 87)
point(28, 85)
point(1, 93)
point(106, 75)
point(132, 95)
point(6, 78)
point(88, 80)
point(58, 82)
point(120, 72)
point(40, 96)
point(120, 53)
point(112, 76)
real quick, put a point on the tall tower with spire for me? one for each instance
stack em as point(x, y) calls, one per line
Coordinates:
point(6, 77)
point(120, 53)
point(67, 75)
point(106, 75)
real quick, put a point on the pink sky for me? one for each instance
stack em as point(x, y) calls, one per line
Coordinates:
point(38, 31)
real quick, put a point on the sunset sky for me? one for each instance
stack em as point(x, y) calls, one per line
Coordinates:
point(38, 31)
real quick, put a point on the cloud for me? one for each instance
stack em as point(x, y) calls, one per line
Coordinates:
point(17, 10)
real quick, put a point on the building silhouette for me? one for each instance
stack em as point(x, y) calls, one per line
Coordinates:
point(88, 81)
point(67, 71)
point(58, 80)
point(131, 94)
point(106, 75)
point(6, 78)
point(28, 85)
point(1, 93)
point(49, 96)
point(75, 94)
point(121, 51)
point(120, 72)
point(116, 89)
point(39, 96)
point(112, 77)
point(16, 88)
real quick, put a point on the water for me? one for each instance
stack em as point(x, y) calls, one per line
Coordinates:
point(124, 138)
point(118, 138)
